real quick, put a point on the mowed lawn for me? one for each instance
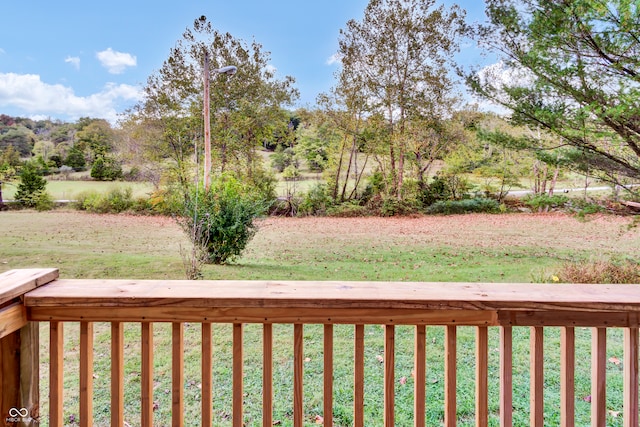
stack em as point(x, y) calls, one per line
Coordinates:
point(491, 248)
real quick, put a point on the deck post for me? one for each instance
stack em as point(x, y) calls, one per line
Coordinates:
point(19, 373)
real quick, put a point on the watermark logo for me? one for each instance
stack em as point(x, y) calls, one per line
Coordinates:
point(17, 415)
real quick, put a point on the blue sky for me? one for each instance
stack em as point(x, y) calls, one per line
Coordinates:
point(69, 59)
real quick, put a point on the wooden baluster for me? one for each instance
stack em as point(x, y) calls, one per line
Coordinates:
point(146, 374)
point(207, 375)
point(56, 361)
point(298, 412)
point(450, 410)
point(482, 375)
point(86, 374)
point(358, 377)
point(267, 375)
point(536, 344)
point(177, 374)
point(567, 376)
point(389, 375)
point(506, 376)
point(598, 377)
point(630, 405)
point(238, 372)
point(328, 375)
point(117, 374)
point(420, 376)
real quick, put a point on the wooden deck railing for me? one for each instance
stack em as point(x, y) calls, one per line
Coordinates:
point(29, 296)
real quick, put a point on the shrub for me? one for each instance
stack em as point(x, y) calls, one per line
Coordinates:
point(225, 215)
point(476, 205)
point(626, 272)
point(115, 201)
point(106, 168)
point(348, 210)
point(316, 201)
point(544, 202)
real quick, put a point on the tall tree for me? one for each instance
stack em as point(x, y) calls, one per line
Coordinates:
point(397, 58)
point(243, 106)
point(574, 72)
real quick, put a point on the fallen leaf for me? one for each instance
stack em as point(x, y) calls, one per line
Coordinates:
point(380, 358)
point(614, 414)
point(587, 398)
point(307, 359)
point(614, 360)
point(319, 419)
point(403, 380)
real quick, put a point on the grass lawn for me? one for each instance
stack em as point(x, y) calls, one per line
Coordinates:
point(493, 248)
point(69, 190)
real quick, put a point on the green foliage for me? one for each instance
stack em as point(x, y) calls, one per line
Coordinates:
point(291, 173)
point(75, 159)
point(569, 68)
point(223, 217)
point(117, 200)
point(316, 201)
point(31, 185)
point(106, 168)
point(437, 190)
point(544, 202)
point(476, 205)
point(283, 158)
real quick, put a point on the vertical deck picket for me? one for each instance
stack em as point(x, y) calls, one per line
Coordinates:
point(328, 375)
point(146, 374)
point(267, 375)
point(86, 374)
point(117, 374)
point(567, 376)
point(358, 377)
point(450, 409)
point(177, 374)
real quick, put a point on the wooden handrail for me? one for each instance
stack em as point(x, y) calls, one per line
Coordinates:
point(390, 304)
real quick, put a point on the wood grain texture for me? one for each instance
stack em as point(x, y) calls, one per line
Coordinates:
point(117, 374)
point(86, 374)
point(389, 375)
point(358, 376)
point(313, 294)
point(207, 374)
point(267, 375)
point(450, 368)
point(630, 404)
point(56, 374)
point(420, 376)
point(12, 318)
point(298, 375)
point(536, 373)
point(328, 375)
point(598, 376)
point(482, 376)
point(506, 376)
point(146, 375)
point(567, 376)
point(15, 283)
point(238, 376)
point(177, 374)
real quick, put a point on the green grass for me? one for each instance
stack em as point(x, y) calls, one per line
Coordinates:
point(69, 190)
point(495, 248)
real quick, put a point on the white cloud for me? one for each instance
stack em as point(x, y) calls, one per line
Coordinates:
point(73, 60)
point(116, 62)
point(336, 58)
point(27, 92)
point(2, 51)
